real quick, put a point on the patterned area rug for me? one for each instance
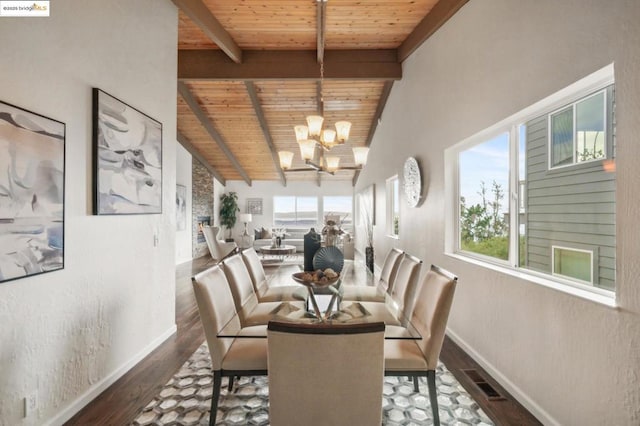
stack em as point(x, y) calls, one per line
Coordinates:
point(186, 399)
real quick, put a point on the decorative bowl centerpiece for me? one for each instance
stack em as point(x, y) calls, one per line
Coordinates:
point(317, 278)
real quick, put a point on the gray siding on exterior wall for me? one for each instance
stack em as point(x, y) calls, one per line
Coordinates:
point(571, 207)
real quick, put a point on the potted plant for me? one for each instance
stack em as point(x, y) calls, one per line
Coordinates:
point(228, 210)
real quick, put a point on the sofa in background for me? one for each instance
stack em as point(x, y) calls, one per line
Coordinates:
point(294, 237)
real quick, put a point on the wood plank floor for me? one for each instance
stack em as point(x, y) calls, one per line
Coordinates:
point(125, 399)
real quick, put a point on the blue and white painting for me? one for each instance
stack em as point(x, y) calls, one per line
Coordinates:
point(128, 163)
point(31, 193)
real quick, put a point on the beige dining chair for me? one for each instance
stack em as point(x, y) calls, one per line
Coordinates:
point(387, 277)
point(229, 356)
point(416, 358)
point(250, 310)
point(218, 249)
point(264, 292)
point(322, 374)
point(403, 291)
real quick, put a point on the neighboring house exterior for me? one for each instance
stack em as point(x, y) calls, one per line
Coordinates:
point(570, 191)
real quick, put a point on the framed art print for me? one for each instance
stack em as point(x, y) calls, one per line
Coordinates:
point(254, 206)
point(127, 158)
point(32, 171)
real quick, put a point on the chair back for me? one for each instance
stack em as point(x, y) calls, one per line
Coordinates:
point(244, 296)
point(431, 311)
point(218, 249)
point(216, 308)
point(405, 283)
point(322, 374)
point(256, 271)
point(390, 268)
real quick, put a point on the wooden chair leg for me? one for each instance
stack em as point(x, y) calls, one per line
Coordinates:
point(433, 396)
point(217, 383)
point(416, 389)
point(230, 387)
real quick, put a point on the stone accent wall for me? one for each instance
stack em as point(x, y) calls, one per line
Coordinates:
point(202, 204)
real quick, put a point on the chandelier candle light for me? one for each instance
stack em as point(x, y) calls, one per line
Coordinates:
point(312, 135)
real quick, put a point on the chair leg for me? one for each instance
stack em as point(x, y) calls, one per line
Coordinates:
point(416, 389)
point(217, 383)
point(433, 396)
point(230, 387)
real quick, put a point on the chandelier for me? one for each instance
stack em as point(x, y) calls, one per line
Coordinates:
point(312, 135)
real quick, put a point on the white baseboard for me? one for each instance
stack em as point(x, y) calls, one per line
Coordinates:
point(511, 387)
point(99, 387)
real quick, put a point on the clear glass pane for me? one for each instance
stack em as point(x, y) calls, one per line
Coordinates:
point(590, 129)
point(339, 205)
point(484, 204)
point(572, 264)
point(562, 137)
point(284, 211)
point(307, 211)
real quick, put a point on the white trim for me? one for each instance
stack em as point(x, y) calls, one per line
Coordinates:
point(515, 391)
point(391, 199)
point(553, 263)
point(103, 384)
point(593, 294)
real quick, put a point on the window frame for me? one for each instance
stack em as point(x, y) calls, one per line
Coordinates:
point(567, 277)
point(573, 105)
point(590, 85)
point(295, 197)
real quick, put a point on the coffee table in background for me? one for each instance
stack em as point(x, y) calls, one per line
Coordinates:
point(281, 251)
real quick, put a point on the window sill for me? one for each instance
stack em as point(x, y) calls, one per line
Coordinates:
point(606, 298)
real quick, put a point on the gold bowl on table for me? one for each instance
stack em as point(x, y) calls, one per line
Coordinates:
point(298, 277)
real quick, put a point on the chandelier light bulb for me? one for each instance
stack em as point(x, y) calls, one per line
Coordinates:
point(286, 159)
point(343, 128)
point(332, 163)
point(360, 154)
point(315, 124)
point(307, 149)
point(302, 133)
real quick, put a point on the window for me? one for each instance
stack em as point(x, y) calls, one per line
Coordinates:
point(577, 132)
point(341, 206)
point(393, 206)
point(573, 263)
point(518, 204)
point(295, 211)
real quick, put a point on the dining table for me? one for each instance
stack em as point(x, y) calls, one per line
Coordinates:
point(324, 304)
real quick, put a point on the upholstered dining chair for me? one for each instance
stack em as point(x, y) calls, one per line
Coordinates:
point(264, 292)
point(387, 277)
point(415, 358)
point(321, 374)
point(218, 249)
point(229, 356)
point(250, 310)
point(403, 291)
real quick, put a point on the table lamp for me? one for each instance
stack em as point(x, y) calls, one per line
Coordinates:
point(246, 219)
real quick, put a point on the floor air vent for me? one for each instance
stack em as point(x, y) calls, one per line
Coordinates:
point(489, 391)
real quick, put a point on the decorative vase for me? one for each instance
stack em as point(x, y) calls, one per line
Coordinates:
point(368, 254)
point(311, 246)
point(278, 242)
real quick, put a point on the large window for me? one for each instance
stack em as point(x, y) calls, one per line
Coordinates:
point(295, 211)
point(536, 192)
point(339, 205)
point(393, 206)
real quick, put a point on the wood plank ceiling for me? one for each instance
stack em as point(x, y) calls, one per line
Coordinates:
point(249, 70)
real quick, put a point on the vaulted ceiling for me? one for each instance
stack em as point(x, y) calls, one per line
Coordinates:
point(249, 70)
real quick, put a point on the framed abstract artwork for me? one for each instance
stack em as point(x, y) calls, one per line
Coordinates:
point(181, 207)
point(32, 162)
point(127, 158)
point(254, 206)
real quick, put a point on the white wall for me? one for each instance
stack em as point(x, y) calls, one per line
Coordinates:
point(267, 190)
point(66, 334)
point(183, 177)
point(569, 360)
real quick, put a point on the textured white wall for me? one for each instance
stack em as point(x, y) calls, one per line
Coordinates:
point(67, 333)
point(183, 177)
point(571, 361)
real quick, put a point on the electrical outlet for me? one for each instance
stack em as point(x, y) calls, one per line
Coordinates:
point(30, 404)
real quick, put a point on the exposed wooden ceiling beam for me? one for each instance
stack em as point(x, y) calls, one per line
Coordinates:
point(212, 64)
point(321, 25)
point(386, 90)
point(200, 14)
point(209, 127)
point(186, 143)
point(441, 12)
point(257, 107)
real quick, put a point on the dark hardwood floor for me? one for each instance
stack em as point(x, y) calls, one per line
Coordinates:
point(125, 399)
